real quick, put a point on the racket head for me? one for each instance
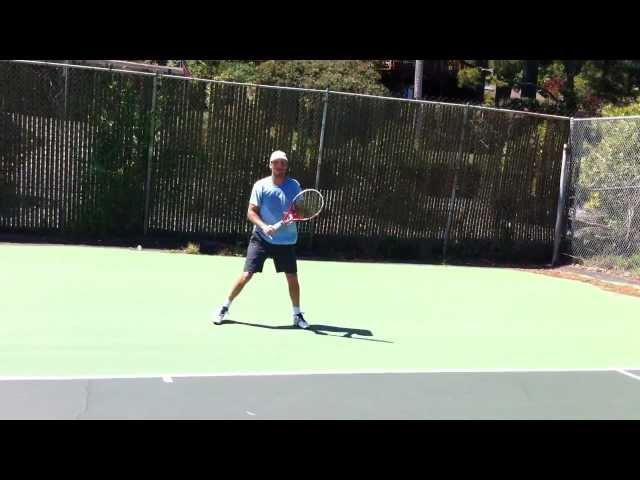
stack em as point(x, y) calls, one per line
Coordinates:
point(306, 205)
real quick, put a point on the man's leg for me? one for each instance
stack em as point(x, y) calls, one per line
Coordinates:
point(239, 285)
point(294, 293)
point(256, 256)
point(285, 260)
point(235, 291)
point(294, 289)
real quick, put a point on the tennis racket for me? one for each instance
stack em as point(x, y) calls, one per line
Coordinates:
point(306, 205)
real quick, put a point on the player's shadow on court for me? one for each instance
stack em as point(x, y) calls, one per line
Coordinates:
point(318, 330)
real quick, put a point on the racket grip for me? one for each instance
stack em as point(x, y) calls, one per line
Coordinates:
point(278, 225)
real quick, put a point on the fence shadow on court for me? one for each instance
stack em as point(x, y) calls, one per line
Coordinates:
point(329, 330)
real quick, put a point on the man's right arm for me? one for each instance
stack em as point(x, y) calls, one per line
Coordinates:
point(253, 214)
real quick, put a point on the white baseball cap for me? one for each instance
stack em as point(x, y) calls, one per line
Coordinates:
point(278, 155)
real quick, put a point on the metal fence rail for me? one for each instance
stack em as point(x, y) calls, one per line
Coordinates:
point(90, 151)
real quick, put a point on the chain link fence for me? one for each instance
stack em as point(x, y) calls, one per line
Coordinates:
point(91, 151)
point(604, 214)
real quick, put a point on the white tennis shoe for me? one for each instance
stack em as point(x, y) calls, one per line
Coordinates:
point(299, 321)
point(221, 315)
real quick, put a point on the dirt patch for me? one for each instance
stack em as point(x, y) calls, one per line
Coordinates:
point(607, 274)
point(607, 280)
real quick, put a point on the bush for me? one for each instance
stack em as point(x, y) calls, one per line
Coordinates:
point(617, 263)
point(340, 75)
point(192, 249)
point(112, 187)
point(469, 78)
point(227, 70)
point(632, 108)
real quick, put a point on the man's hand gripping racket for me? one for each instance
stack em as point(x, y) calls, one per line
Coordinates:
point(305, 206)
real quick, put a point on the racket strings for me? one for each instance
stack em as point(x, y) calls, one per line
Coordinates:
point(308, 204)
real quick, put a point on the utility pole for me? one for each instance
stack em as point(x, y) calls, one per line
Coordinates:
point(417, 81)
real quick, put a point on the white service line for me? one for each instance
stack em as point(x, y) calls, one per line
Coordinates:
point(319, 372)
point(629, 374)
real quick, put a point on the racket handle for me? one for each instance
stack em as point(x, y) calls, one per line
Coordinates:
point(278, 225)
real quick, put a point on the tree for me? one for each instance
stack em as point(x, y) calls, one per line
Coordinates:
point(610, 175)
point(507, 72)
point(530, 79)
point(228, 70)
point(469, 78)
point(484, 70)
point(111, 186)
point(575, 85)
point(341, 75)
point(571, 68)
point(613, 110)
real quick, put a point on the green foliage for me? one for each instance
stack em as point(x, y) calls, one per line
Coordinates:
point(237, 72)
point(608, 161)
point(530, 105)
point(227, 70)
point(191, 249)
point(614, 262)
point(595, 201)
point(112, 186)
point(608, 153)
point(507, 72)
point(340, 75)
point(553, 79)
point(489, 99)
point(551, 70)
point(612, 110)
point(469, 78)
point(577, 84)
point(203, 68)
point(585, 85)
point(609, 80)
point(613, 82)
point(584, 81)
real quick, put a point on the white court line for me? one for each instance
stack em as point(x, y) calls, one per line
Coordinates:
point(316, 372)
point(167, 379)
point(629, 374)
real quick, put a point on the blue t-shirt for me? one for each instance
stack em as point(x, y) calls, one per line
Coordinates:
point(273, 201)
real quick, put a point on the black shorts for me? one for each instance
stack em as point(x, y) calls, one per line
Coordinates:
point(284, 256)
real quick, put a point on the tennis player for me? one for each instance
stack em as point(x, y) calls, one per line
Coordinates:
point(269, 200)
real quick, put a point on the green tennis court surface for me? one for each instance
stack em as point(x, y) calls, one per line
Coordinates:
point(91, 313)
point(83, 311)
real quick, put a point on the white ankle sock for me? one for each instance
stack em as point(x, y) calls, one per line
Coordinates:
point(296, 310)
point(227, 303)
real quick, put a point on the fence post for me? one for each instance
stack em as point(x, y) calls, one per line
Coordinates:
point(559, 230)
point(152, 135)
point(455, 184)
point(320, 147)
point(66, 87)
point(417, 80)
point(322, 128)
